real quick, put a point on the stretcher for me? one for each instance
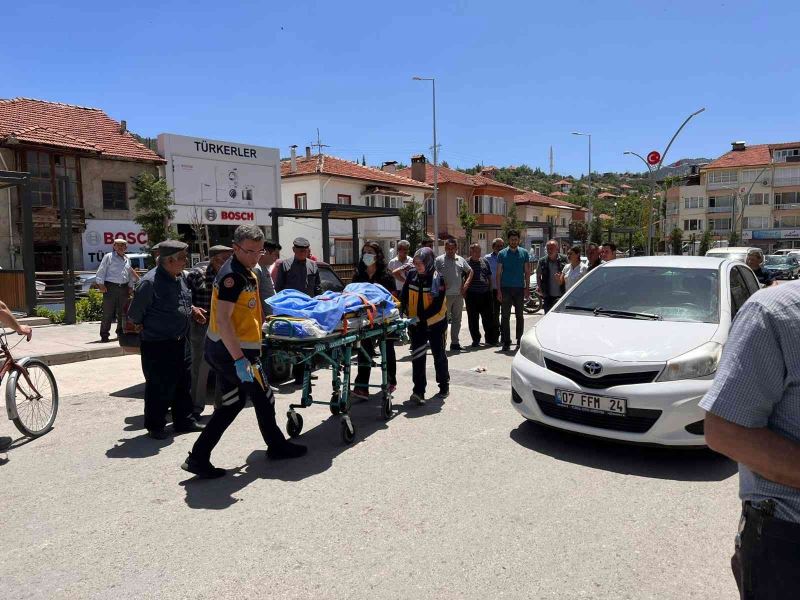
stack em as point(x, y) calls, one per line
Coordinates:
point(336, 350)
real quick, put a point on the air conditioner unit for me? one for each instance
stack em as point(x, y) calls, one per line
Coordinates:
point(765, 182)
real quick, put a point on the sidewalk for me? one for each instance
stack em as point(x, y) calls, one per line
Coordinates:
point(62, 344)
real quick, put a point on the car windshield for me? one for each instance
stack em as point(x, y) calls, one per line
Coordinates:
point(780, 260)
point(665, 293)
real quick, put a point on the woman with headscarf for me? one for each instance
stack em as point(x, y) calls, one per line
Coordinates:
point(372, 269)
point(423, 297)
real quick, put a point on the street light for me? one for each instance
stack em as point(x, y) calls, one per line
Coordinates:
point(589, 135)
point(435, 168)
point(652, 169)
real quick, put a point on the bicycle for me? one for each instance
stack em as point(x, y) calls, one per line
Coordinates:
point(31, 402)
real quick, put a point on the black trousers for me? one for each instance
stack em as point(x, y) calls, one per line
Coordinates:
point(364, 368)
point(766, 562)
point(167, 372)
point(479, 308)
point(548, 302)
point(113, 302)
point(512, 296)
point(234, 397)
point(495, 320)
point(422, 337)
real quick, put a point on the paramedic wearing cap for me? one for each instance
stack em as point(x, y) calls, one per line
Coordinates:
point(233, 348)
point(162, 306)
point(201, 282)
point(115, 277)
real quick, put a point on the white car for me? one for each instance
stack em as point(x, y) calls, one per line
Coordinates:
point(631, 349)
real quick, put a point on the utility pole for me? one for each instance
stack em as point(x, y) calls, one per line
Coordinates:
point(435, 168)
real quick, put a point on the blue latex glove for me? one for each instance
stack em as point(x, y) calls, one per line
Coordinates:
point(244, 370)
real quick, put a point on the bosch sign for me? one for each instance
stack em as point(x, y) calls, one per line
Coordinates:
point(233, 215)
point(98, 239)
point(129, 236)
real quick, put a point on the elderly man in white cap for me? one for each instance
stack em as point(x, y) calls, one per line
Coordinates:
point(115, 278)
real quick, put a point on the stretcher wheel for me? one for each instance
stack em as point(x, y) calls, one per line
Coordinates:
point(386, 407)
point(294, 424)
point(334, 404)
point(348, 431)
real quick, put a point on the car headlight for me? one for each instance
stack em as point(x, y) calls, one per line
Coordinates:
point(529, 348)
point(696, 363)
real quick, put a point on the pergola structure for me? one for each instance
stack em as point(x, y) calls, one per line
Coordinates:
point(328, 211)
point(21, 181)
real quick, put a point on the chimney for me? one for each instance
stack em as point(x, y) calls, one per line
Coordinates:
point(308, 151)
point(123, 126)
point(488, 172)
point(738, 146)
point(418, 167)
point(390, 166)
point(293, 167)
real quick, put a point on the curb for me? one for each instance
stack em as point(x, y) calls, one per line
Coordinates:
point(63, 358)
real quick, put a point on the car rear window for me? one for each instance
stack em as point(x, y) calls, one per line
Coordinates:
point(673, 294)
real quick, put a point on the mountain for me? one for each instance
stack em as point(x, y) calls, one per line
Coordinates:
point(680, 168)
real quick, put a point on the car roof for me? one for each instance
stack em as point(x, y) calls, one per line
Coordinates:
point(680, 262)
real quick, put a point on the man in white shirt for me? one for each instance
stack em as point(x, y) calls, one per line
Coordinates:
point(115, 278)
point(400, 265)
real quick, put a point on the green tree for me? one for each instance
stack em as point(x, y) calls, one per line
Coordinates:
point(154, 207)
point(363, 160)
point(596, 231)
point(467, 220)
point(705, 243)
point(733, 237)
point(512, 221)
point(412, 224)
point(692, 241)
point(579, 231)
point(676, 239)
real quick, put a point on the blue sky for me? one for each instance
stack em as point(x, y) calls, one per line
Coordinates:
point(513, 78)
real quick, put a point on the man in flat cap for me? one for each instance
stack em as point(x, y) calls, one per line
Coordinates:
point(298, 273)
point(162, 306)
point(115, 278)
point(201, 283)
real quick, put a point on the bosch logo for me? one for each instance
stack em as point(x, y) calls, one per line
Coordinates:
point(593, 369)
point(232, 215)
point(211, 214)
point(93, 237)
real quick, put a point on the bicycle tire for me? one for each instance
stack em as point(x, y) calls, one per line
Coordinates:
point(35, 416)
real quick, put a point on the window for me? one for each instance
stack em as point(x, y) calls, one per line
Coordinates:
point(563, 221)
point(781, 155)
point(343, 252)
point(722, 177)
point(692, 224)
point(719, 224)
point(429, 206)
point(787, 222)
point(756, 222)
point(739, 291)
point(720, 201)
point(344, 199)
point(460, 202)
point(551, 220)
point(41, 185)
point(786, 198)
point(751, 175)
point(489, 205)
point(693, 202)
point(757, 199)
point(301, 201)
point(787, 176)
point(114, 195)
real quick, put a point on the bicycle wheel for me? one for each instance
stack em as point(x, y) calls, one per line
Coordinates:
point(33, 410)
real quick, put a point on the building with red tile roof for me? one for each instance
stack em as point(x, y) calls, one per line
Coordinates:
point(94, 154)
point(545, 218)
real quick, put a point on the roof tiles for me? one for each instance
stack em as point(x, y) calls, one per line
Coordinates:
point(331, 165)
point(447, 175)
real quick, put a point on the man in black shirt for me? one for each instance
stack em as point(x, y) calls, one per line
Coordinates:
point(162, 306)
point(755, 260)
point(593, 255)
point(479, 298)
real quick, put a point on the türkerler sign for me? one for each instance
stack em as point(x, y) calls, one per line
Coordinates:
point(220, 183)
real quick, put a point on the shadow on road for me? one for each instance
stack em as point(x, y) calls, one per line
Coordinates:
point(140, 446)
point(134, 423)
point(643, 461)
point(134, 391)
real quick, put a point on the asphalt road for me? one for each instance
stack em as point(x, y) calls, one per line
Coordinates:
point(457, 499)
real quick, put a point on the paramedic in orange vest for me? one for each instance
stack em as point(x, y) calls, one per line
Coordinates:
point(233, 348)
point(423, 297)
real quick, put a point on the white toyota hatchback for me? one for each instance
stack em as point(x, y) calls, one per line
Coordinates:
point(631, 349)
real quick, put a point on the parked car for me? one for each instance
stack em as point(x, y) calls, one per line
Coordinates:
point(640, 378)
point(732, 252)
point(788, 252)
point(40, 288)
point(782, 266)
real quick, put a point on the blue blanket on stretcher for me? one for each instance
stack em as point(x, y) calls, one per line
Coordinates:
point(329, 308)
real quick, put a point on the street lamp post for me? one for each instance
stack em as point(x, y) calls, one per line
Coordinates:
point(589, 135)
point(435, 168)
point(655, 168)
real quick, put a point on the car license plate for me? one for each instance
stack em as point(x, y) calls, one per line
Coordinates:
point(592, 402)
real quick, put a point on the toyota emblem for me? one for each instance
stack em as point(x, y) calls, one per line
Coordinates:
point(211, 214)
point(592, 368)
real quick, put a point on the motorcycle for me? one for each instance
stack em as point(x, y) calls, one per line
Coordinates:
point(534, 302)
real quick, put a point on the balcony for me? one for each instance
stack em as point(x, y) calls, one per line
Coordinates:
point(719, 209)
point(730, 185)
point(787, 206)
point(786, 181)
point(562, 232)
point(672, 211)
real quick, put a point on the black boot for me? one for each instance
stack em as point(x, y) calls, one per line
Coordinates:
point(285, 450)
point(204, 470)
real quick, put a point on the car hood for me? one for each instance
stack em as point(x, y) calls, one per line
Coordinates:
point(624, 340)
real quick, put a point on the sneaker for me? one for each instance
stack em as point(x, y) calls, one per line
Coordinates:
point(418, 398)
point(5, 442)
point(104, 339)
point(475, 345)
point(285, 450)
point(455, 347)
point(204, 470)
point(443, 392)
point(506, 348)
point(360, 393)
